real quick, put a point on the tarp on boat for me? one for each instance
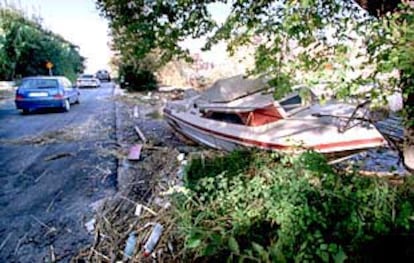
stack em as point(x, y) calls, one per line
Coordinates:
point(226, 90)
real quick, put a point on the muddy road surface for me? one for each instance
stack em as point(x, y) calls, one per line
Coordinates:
point(54, 168)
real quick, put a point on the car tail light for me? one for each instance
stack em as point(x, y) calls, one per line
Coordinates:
point(19, 97)
point(58, 96)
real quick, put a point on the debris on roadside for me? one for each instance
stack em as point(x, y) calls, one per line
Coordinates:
point(153, 239)
point(140, 134)
point(137, 224)
point(138, 210)
point(136, 112)
point(135, 152)
point(130, 245)
point(93, 128)
point(141, 210)
point(90, 225)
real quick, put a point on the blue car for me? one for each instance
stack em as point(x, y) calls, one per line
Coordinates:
point(46, 92)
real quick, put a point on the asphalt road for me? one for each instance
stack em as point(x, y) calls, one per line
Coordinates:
point(53, 167)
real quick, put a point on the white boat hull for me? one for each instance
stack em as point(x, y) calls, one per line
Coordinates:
point(286, 136)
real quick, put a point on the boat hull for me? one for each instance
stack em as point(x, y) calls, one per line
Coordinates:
point(214, 138)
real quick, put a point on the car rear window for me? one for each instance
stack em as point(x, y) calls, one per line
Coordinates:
point(39, 84)
point(87, 76)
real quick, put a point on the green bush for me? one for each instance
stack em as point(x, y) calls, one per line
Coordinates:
point(136, 79)
point(261, 207)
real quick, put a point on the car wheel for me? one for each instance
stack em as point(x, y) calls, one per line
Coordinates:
point(77, 100)
point(25, 111)
point(66, 107)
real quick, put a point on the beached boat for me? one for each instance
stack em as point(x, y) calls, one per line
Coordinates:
point(238, 112)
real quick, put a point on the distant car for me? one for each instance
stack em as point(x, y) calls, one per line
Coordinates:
point(45, 92)
point(88, 81)
point(103, 75)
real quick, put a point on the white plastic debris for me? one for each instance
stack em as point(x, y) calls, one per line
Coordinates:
point(136, 114)
point(153, 239)
point(138, 210)
point(180, 157)
point(90, 225)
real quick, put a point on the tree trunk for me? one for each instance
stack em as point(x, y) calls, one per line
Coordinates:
point(378, 8)
point(408, 151)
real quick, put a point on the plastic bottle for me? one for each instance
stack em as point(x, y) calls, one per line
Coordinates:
point(130, 245)
point(153, 239)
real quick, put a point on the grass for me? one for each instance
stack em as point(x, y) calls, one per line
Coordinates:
point(248, 206)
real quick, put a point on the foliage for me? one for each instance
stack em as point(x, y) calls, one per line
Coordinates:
point(299, 39)
point(26, 47)
point(390, 47)
point(142, 26)
point(136, 79)
point(262, 207)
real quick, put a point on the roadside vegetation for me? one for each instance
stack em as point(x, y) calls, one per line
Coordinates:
point(26, 47)
point(136, 79)
point(261, 207)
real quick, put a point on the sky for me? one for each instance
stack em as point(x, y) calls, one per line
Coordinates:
point(78, 21)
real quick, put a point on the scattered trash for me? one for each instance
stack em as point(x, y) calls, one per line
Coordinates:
point(153, 239)
point(140, 134)
point(130, 245)
point(139, 204)
point(138, 210)
point(180, 157)
point(90, 225)
point(162, 202)
point(136, 113)
point(135, 152)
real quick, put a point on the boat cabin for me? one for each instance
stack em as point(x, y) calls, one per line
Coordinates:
point(253, 110)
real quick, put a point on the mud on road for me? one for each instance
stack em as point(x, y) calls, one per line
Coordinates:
point(54, 168)
point(140, 183)
point(60, 171)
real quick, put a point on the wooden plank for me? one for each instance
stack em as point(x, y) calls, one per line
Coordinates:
point(140, 134)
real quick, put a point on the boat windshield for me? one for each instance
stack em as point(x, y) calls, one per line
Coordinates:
point(256, 117)
point(291, 103)
point(224, 117)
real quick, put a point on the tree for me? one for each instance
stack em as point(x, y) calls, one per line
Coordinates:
point(403, 22)
point(323, 31)
point(26, 47)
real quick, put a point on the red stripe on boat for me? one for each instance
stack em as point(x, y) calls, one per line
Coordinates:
point(280, 146)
